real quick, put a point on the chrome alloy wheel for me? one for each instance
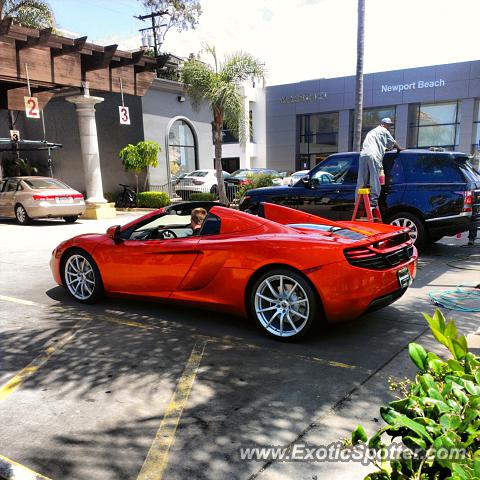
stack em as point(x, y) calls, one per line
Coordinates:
point(79, 277)
point(281, 306)
point(21, 214)
point(406, 222)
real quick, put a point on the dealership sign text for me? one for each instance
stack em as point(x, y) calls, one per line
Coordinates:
point(413, 85)
point(304, 97)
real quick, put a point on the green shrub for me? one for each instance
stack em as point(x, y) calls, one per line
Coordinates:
point(255, 181)
point(202, 197)
point(153, 199)
point(110, 197)
point(437, 415)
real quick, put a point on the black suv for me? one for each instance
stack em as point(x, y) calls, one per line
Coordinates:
point(435, 193)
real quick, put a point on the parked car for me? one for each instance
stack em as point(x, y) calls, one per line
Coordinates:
point(294, 177)
point(242, 176)
point(434, 193)
point(198, 181)
point(301, 270)
point(25, 198)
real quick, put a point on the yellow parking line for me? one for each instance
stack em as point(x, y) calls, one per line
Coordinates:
point(157, 457)
point(10, 470)
point(19, 301)
point(26, 372)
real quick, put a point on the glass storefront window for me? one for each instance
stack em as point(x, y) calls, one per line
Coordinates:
point(181, 149)
point(318, 138)
point(371, 118)
point(433, 125)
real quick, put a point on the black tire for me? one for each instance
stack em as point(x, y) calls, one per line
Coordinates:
point(21, 214)
point(214, 189)
point(71, 218)
point(295, 307)
point(416, 225)
point(89, 292)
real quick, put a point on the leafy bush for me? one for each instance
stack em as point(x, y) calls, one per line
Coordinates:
point(153, 199)
point(205, 196)
point(255, 181)
point(437, 417)
point(110, 197)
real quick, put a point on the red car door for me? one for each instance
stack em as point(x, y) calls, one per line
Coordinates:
point(146, 267)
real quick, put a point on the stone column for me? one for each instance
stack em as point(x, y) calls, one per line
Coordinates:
point(85, 106)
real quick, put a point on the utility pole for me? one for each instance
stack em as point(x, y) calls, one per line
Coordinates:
point(155, 33)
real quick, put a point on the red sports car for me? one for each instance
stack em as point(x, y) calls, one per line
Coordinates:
point(286, 268)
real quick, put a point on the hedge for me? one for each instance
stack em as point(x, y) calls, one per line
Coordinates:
point(202, 197)
point(153, 199)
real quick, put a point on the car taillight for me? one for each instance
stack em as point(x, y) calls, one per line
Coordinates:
point(245, 181)
point(359, 253)
point(467, 201)
point(40, 198)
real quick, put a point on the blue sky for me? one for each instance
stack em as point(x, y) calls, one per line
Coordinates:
point(299, 39)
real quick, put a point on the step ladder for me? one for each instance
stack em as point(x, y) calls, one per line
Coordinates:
point(363, 195)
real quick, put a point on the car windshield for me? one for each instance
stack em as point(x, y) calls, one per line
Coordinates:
point(45, 184)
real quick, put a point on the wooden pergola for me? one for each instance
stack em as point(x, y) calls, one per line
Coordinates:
point(56, 63)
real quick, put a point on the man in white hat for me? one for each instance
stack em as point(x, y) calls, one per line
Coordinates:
point(376, 143)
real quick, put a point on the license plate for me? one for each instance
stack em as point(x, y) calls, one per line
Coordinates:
point(404, 278)
point(64, 199)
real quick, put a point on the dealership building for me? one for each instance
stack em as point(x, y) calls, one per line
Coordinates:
point(432, 106)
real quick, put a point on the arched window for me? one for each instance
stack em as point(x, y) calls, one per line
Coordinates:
point(182, 152)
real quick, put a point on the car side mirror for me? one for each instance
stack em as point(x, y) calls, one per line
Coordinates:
point(114, 232)
point(306, 181)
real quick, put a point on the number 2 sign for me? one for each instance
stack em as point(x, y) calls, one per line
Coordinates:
point(31, 107)
point(124, 115)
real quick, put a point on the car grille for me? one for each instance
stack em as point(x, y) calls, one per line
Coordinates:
point(365, 258)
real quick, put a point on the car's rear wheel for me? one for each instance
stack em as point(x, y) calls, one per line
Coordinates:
point(21, 215)
point(81, 277)
point(71, 218)
point(284, 304)
point(417, 229)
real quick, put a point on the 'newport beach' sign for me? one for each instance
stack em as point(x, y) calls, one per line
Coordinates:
point(400, 87)
point(304, 97)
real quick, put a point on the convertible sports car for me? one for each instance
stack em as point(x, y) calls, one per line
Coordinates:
point(285, 268)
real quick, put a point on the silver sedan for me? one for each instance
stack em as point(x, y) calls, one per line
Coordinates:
point(25, 198)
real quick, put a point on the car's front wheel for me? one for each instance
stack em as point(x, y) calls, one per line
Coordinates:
point(21, 215)
point(417, 229)
point(284, 304)
point(81, 277)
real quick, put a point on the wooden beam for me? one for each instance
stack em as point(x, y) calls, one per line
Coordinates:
point(5, 25)
point(43, 37)
point(78, 45)
point(124, 62)
point(99, 60)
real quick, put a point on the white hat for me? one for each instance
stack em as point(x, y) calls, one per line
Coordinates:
point(386, 121)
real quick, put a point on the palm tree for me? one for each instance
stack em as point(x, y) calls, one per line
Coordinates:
point(218, 85)
point(28, 13)
point(357, 121)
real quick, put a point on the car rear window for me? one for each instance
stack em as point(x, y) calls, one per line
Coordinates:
point(45, 184)
point(470, 173)
point(198, 173)
point(432, 169)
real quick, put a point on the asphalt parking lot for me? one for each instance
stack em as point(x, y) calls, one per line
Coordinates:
point(134, 390)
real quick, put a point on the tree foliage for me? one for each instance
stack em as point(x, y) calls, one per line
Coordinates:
point(179, 14)
point(218, 85)
point(28, 13)
point(136, 158)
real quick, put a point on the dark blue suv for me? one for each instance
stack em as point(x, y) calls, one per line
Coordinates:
point(435, 193)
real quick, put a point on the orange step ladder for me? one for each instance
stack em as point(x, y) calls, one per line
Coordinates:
point(363, 195)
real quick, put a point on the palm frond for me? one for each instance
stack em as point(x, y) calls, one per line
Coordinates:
point(198, 79)
point(241, 66)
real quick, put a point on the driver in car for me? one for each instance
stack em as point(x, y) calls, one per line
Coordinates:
point(197, 217)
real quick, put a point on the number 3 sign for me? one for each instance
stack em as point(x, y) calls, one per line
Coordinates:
point(31, 107)
point(124, 115)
